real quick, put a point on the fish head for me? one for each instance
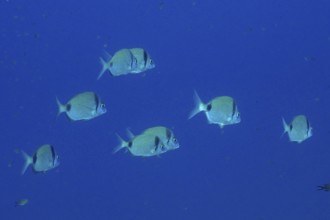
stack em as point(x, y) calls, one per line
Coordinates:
point(173, 143)
point(101, 109)
point(236, 118)
point(151, 64)
point(56, 161)
point(309, 132)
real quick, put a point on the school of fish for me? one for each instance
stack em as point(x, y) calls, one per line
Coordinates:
point(153, 141)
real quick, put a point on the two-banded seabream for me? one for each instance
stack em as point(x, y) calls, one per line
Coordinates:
point(167, 137)
point(21, 202)
point(143, 60)
point(144, 145)
point(45, 158)
point(299, 129)
point(84, 106)
point(220, 110)
point(121, 63)
point(125, 61)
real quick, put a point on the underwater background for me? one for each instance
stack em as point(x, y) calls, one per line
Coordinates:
point(271, 56)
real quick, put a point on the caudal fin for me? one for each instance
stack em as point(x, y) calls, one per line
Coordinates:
point(129, 133)
point(285, 126)
point(28, 161)
point(105, 67)
point(122, 144)
point(199, 106)
point(61, 107)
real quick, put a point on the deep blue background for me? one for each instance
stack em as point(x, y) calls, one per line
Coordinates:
point(271, 56)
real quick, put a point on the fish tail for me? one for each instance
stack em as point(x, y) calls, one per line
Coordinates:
point(122, 144)
point(28, 160)
point(107, 55)
point(285, 126)
point(129, 133)
point(61, 107)
point(105, 67)
point(199, 106)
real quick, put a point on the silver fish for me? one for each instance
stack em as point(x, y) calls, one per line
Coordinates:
point(21, 202)
point(44, 159)
point(121, 63)
point(221, 110)
point(84, 106)
point(324, 187)
point(166, 135)
point(143, 145)
point(144, 61)
point(299, 129)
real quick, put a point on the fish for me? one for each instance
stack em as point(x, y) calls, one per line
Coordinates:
point(166, 136)
point(84, 106)
point(121, 63)
point(21, 202)
point(220, 110)
point(324, 187)
point(45, 158)
point(144, 145)
point(299, 129)
point(144, 61)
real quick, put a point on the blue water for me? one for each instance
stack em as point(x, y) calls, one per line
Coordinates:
point(271, 56)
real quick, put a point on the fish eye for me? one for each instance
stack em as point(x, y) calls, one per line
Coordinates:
point(175, 140)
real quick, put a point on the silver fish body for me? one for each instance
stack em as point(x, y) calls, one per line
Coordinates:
point(21, 202)
point(221, 110)
point(143, 60)
point(299, 129)
point(121, 63)
point(167, 137)
point(143, 145)
point(44, 159)
point(84, 106)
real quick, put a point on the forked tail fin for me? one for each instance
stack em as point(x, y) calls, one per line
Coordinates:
point(105, 67)
point(27, 161)
point(122, 144)
point(199, 106)
point(285, 126)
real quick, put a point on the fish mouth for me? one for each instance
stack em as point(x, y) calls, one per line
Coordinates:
point(176, 146)
point(237, 120)
point(56, 164)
